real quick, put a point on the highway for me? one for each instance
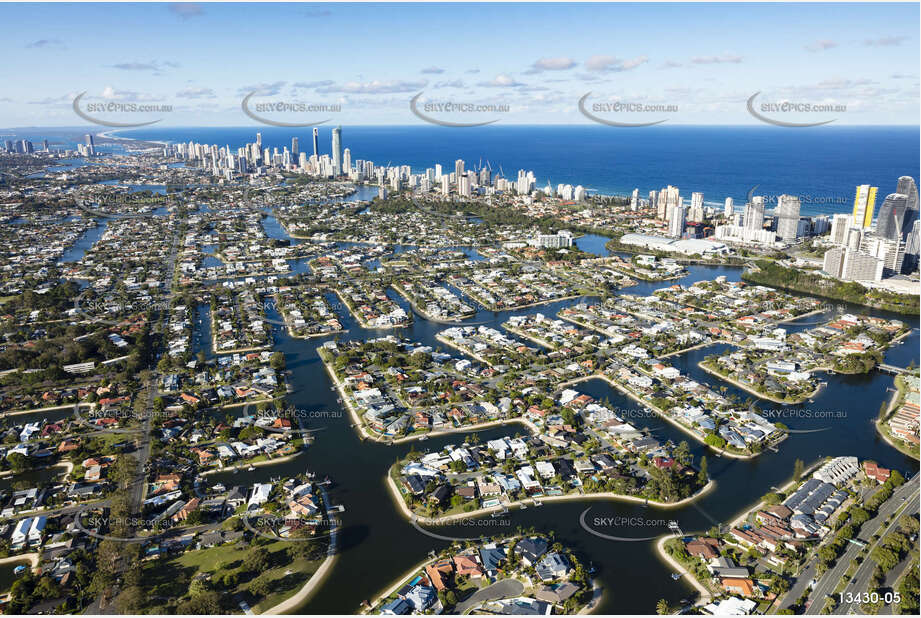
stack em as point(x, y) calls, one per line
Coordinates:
point(861, 580)
point(827, 584)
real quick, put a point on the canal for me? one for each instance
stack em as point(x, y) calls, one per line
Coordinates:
point(377, 544)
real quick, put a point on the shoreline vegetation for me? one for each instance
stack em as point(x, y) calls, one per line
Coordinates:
point(749, 389)
point(358, 423)
point(882, 423)
point(664, 416)
point(364, 434)
point(425, 315)
point(477, 513)
point(774, 275)
point(707, 595)
point(587, 607)
point(313, 583)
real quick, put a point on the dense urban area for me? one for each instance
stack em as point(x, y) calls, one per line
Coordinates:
point(209, 353)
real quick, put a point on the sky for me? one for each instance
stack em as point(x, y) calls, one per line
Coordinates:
point(526, 63)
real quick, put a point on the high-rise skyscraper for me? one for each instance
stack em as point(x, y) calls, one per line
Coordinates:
point(908, 188)
point(696, 212)
point(463, 185)
point(728, 208)
point(294, 149)
point(635, 200)
point(892, 216)
point(864, 203)
point(676, 221)
point(458, 169)
point(90, 144)
point(337, 151)
point(839, 226)
point(259, 140)
point(754, 213)
point(787, 213)
point(316, 142)
point(669, 197)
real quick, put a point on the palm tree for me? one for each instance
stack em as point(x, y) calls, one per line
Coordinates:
point(663, 608)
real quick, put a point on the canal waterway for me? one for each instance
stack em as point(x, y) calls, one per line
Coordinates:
point(378, 544)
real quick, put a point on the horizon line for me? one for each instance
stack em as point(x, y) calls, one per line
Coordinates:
point(418, 125)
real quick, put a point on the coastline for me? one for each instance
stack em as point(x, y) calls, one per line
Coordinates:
point(33, 558)
point(257, 464)
point(40, 410)
point(597, 590)
point(458, 322)
point(743, 515)
point(705, 595)
point(313, 582)
point(396, 586)
point(363, 432)
point(109, 135)
point(752, 391)
point(668, 418)
point(881, 426)
point(447, 519)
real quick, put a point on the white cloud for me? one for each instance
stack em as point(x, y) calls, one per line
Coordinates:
point(723, 59)
point(610, 64)
point(886, 41)
point(503, 80)
point(552, 64)
point(265, 89)
point(196, 93)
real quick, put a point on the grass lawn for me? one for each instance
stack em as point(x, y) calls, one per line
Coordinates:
point(170, 577)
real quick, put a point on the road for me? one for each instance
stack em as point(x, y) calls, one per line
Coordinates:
point(830, 580)
point(861, 581)
point(138, 486)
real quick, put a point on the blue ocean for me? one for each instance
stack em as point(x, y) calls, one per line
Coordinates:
point(822, 165)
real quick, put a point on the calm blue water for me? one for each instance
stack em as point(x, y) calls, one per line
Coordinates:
point(821, 164)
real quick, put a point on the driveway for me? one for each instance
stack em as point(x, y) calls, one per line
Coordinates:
point(500, 590)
